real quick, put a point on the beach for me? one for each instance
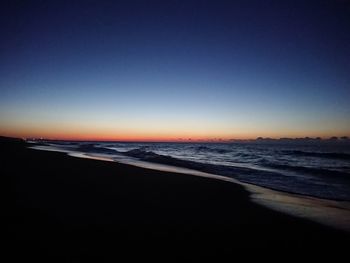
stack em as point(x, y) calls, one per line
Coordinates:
point(67, 209)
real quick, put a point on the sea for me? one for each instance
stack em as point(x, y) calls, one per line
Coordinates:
point(319, 170)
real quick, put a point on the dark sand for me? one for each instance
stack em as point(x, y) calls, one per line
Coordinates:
point(66, 209)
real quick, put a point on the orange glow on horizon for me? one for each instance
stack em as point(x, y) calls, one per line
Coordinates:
point(151, 137)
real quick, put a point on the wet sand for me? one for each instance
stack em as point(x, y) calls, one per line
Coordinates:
point(66, 209)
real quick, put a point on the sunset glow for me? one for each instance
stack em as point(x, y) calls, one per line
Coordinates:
point(174, 129)
point(193, 72)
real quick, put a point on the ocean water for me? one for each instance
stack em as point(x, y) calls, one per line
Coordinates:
point(320, 170)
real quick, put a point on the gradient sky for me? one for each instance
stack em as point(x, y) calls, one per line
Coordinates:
point(164, 70)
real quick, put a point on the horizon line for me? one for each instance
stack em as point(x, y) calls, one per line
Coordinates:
point(190, 140)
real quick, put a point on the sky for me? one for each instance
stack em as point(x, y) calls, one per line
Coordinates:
point(174, 70)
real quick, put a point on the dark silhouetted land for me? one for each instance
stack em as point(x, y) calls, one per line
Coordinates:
point(66, 209)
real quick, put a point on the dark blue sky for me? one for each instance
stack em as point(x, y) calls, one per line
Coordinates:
point(170, 69)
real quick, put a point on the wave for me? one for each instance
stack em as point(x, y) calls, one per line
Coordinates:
point(211, 149)
point(329, 155)
point(91, 148)
point(144, 154)
point(225, 170)
point(329, 173)
point(271, 179)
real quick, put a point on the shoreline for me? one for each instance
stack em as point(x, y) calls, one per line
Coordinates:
point(73, 209)
point(333, 213)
